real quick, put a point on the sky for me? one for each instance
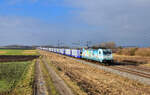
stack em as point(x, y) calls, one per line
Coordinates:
point(44, 22)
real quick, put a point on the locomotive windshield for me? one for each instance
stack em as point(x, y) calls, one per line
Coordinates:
point(106, 52)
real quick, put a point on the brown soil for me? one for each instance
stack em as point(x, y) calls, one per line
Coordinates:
point(14, 58)
point(94, 81)
point(39, 85)
point(1, 52)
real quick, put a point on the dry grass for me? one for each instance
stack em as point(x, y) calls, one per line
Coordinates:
point(29, 52)
point(127, 51)
point(139, 60)
point(143, 52)
point(134, 51)
point(134, 55)
point(73, 85)
point(93, 81)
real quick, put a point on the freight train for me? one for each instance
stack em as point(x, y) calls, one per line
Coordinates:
point(99, 55)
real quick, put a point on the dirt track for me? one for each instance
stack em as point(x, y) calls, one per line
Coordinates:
point(39, 86)
point(60, 85)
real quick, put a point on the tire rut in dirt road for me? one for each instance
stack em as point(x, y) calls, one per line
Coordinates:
point(40, 87)
point(60, 85)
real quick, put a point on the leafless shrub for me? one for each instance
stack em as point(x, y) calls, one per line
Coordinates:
point(143, 52)
point(127, 51)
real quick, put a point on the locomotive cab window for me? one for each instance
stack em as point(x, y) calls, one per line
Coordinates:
point(99, 52)
point(106, 52)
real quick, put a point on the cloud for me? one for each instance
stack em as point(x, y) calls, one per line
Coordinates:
point(120, 20)
point(123, 21)
point(102, 11)
point(23, 30)
point(31, 31)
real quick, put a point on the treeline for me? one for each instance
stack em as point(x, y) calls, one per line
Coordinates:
point(18, 47)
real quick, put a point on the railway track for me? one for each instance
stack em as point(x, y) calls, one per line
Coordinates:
point(131, 71)
point(140, 68)
point(136, 70)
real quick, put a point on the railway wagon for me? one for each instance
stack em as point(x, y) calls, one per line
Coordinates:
point(68, 52)
point(76, 53)
point(62, 51)
point(55, 50)
point(45, 49)
point(100, 55)
point(50, 49)
point(41, 48)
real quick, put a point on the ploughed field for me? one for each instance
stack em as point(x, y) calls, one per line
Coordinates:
point(84, 79)
point(17, 71)
point(12, 55)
